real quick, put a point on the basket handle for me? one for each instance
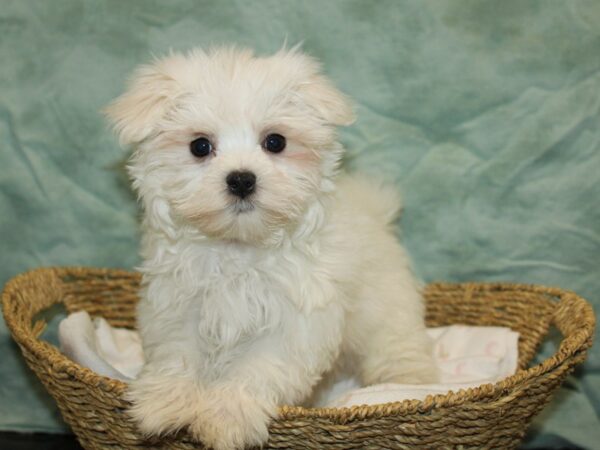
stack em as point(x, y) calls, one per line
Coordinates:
point(26, 295)
point(574, 318)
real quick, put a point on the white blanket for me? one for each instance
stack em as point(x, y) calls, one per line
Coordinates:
point(112, 352)
point(467, 357)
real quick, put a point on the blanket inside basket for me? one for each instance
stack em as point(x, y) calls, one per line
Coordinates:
point(467, 356)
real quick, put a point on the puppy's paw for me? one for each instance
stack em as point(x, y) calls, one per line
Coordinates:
point(230, 419)
point(415, 368)
point(421, 371)
point(162, 404)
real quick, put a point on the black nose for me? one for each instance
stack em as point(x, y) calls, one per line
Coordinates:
point(241, 184)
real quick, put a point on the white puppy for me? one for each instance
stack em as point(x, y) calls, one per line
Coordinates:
point(262, 268)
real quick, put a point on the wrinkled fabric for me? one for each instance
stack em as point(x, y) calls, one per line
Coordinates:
point(485, 114)
point(93, 343)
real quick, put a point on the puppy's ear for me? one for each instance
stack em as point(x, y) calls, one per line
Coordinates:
point(330, 104)
point(135, 114)
point(316, 90)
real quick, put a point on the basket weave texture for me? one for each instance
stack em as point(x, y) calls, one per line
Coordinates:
point(490, 416)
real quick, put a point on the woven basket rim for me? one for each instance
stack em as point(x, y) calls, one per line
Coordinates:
point(571, 345)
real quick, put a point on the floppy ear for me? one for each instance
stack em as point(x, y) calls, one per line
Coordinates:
point(135, 114)
point(315, 89)
point(330, 104)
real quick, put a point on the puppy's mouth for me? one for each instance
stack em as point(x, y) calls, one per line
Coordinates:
point(242, 207)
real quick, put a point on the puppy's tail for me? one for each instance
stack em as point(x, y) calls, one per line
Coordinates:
point(379, 200)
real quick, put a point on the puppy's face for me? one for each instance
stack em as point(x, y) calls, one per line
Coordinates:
point(234, 145)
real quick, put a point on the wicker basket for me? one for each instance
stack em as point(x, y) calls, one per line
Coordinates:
point(490, 416)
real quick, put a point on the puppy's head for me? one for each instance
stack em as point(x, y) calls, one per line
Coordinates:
point(234, 145)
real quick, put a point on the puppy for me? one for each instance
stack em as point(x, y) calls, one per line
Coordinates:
point(263, 268)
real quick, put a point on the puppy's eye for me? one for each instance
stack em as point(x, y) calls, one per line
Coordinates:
point(274, 143)
point(200, 147)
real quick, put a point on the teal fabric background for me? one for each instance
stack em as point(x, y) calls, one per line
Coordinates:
point(485, 113)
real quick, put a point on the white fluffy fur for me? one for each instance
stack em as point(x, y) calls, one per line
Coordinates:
point(246, 305)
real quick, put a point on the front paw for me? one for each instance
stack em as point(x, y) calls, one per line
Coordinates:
point(230, 419)
point(162, 404)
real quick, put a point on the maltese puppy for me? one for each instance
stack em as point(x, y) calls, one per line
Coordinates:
point(263, 268)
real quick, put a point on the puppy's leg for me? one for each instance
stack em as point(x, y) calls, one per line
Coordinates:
point(387, 333)
point(398, 356)
point(232, 416)
point(163, 401)
point(278, 369)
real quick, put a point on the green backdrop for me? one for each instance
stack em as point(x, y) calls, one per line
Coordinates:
point(485, 113)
